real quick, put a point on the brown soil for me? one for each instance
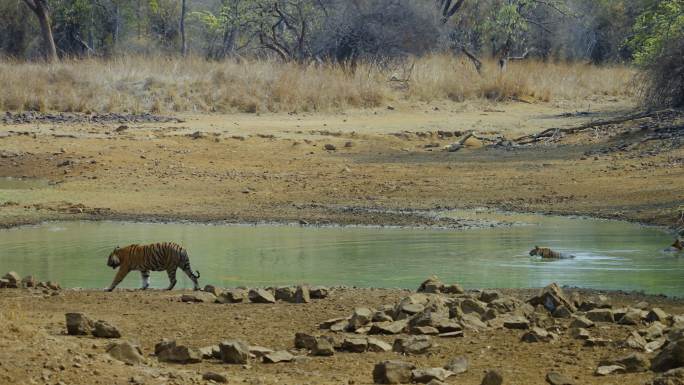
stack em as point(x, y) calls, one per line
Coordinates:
point(34, 347)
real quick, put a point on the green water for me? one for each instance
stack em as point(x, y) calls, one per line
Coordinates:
point(10, 183)
point(610, 255)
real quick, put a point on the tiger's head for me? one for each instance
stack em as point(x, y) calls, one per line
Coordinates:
point(536, 251)
point(678, 244)
point(114, 261)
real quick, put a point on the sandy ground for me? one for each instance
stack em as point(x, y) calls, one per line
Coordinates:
point(252, 168)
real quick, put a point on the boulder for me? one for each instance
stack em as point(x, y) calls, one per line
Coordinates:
point(261, 296)
point(580, 333)
point(492, 377)
point(53, 285)
point(381, 316)
point(426, 330)
point(671, 377)
point(216, 377)
point(457, 365)
point(328, 323)
point(12, 280)
point(596, 302)
point(322, 347)
point(4, 283)
point(126, 352)
point(393, 372)
point(199, 296)
point(489, 295)
point(658, 314)
point(655, 345)
point(600, 315)
point(516, 322)
point(609, 369)
point(212, 351)
point(551, 297)
point(376, 345)
point(424, 376)
point(672, 356)
point(302, 295)
point(318, 292)
point(304, 341)
point(632, 363)
point(213, 290)
point(28, 281)
point(472, 321)
point(360, 317)
point(78, 324)
point(285, 293)
point(537, 335)
point(164, 344)
point(454, 288)
point(256, 351)
point(655, 330)
point(103, 329)
point(591, 341)
point(395, 327)
point(470, 305)
point(431, 285)
point(180, 354)
point(579, 321)
point(234, 351)
point(355, 345)
point(279, 356)
point(232, 296)
point(636, 341)
point(411, 308)
point(412, 345)
point(562, 312)
point(504, 304)
point(555, 378)
point(631, 317)
point(340, 326)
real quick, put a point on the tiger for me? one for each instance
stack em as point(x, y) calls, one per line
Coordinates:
point(547, 253)
point(676, 247)
point(166, 256)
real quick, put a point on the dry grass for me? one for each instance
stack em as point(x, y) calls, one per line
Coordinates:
point(160, 85)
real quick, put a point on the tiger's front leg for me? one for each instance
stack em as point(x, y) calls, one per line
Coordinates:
point(172, 278)
point(120, 275)
point(145, 279)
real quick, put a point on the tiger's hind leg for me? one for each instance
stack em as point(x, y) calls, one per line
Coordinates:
point(172, 278)
point(145, 279)
point(188, 270)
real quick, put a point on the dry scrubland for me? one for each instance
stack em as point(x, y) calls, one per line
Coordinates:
point(163, 85)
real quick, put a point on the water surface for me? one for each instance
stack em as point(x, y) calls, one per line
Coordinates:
point(610, 254)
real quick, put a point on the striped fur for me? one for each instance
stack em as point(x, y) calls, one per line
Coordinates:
point(677, 246)
point(154, 257)
point(547, 253)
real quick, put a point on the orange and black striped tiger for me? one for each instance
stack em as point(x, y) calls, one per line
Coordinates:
point(547, 253)
point(154, 257)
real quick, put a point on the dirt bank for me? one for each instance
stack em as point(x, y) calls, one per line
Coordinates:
point(250, 168)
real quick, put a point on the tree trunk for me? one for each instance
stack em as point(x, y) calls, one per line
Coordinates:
point(184, 44)
point(39, 7)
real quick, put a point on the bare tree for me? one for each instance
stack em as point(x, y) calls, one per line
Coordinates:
point(184, 43)
point(42, 12)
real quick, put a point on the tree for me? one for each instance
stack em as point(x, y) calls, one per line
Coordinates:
point(184, 43)
point(42, 12)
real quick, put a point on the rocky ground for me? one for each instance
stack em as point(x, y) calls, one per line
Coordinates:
point(343, 335)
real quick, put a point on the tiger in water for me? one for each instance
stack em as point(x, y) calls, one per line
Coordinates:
point(154, 257)
point(676, 247)
point(546, 253)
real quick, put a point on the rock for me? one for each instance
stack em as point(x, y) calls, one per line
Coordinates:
point(28, 281)
point(457, 365)
point(232, 296)
point(234, 352)
point(631, 317)
point(318, 292)
point(381, 316)
point(103, 329)
point(212, 351)
point(213, 290)
point(328, 323)
point(457, 334)
point(658, 314)
point(423, 376)
point(655, 345)
point(376, 345)
point(78, 324)
point(489, 295)
point(164, 345)
point(431, 285)
point(600, 315)
point(199, 296)
point(537, 335)
point(355, 345)
point(393, 372)
point(261, 296)
point(322, 347)
point(412, 308)
point(360, 317)
point(12, 280)
point(330, 147)
point(580, 333)
point(340, 326)
point(597, 342)
point(516, 322)
point(471, 321)
point(580, 321)
point(304, 341)
point(216, 377)
point(492, 377)
point(596, 302)
point(302, 295)
point(562, 312)
point(609, 369)
point(412, 345)
point(180, 354)
point(672, 356)
point(671, 377)
point(257, 351)
point(454, 288)
point(425, 330)
point(279, 356)
point(470, 305)
point(395, 327)
point(555, 378)
point(53, 285)
point(633, 362)
point(551, 297)
point(285, 293)
point(4, 283)
point(126, 352)
point(636, 341)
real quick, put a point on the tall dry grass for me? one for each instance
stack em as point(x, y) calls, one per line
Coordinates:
point(162, 85)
